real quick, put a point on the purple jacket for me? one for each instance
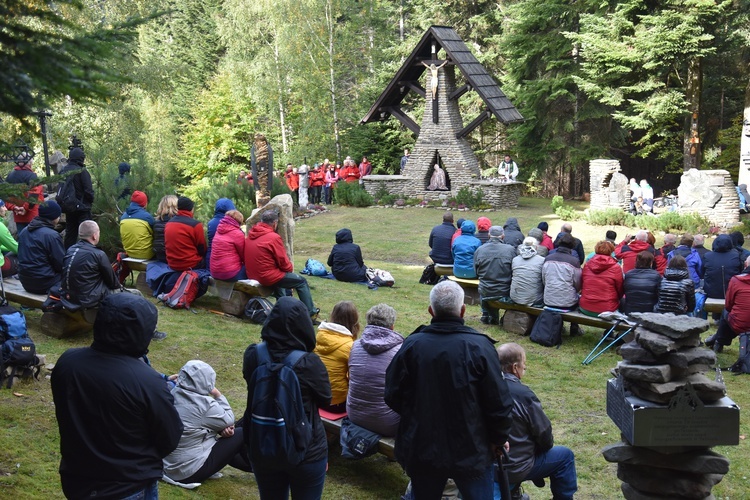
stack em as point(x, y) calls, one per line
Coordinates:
point(369, 358)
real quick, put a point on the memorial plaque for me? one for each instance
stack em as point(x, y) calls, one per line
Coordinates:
point(684, 422)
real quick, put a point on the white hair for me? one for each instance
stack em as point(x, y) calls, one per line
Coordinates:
point(447, 298)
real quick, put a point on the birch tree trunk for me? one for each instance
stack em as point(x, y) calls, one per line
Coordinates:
point(331, 24)
point(744, 176)
point(280, 88)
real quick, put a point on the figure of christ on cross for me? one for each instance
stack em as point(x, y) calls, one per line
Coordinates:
point(434, 78)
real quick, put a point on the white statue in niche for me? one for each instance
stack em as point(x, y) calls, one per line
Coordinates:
point(437, 181)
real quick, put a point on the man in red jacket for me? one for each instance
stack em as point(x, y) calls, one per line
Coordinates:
point(630, 247)
point(736, 317)
point(24, 208)
point(267, 262)
point(184, 238)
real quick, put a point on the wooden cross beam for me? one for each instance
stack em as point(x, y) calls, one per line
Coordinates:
point(459, 91)
point(412, 85)
point(405, 119)
point(474, 124)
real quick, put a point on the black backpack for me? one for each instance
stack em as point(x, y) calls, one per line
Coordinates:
point(547, 329)
point(66, 194)
point(257, 309)
point(429, 277)
point(742, 365)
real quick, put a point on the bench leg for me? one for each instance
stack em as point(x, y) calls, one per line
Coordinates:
point(142, 286)
point(235, 304)
point(517, 322)
point(63, 324)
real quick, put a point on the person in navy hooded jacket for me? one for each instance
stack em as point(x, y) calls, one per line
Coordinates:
point(346, 259)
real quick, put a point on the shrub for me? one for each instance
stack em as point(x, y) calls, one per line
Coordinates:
point(468, 198)
point(351, 194)
point(668, 222)
point(608, 217)
point(565, 212)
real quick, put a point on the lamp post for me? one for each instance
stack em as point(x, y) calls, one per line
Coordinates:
point(43, 127)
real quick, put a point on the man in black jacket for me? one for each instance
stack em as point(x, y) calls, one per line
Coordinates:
point(440, 241)
point(532, 454)
point(88, 276)
point(567, 228)
point(446, 384)
point(76, 172)
point(41, 251)
point(116, 417)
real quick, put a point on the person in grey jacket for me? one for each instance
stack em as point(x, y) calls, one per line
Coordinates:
point(532, 453)
point(561, 275)
point(493, 266)
point(526, 286)
point(209, 440)
point(370, 356)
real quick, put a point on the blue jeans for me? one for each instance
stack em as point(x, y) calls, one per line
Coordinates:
point(294, 280)
point(150, 492)
point(559, 465)
point(305, 481)
point(429, 486)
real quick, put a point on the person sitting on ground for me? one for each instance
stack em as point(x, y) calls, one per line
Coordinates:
point(686, 250)
point(577, 245)
point(513, 234)
point(736, 316)
point(210, 439)
point(333, 344)
point(440, 241)
point(345, 259)
point(538, 235)
point(228, 255)
point(661, 255)
point(164, 212)
point(267, 262)
point(25, 207)
point(526, 286)
point(630, 247)
point(41, 251)
point(546, 239)
point(677, 290)
point(532, 454)
point(641, 285)
point(601, 282)
point(698, 241)
point(463, 249)
point(184, 239)
point(483, 229)
point(739, 240)
point(8, 246)
point(648, 195)
point(223, 205)
point(493, 264)
point(369, 358)
point(720, 265)
point(116, 417)
point(561, 276)
point(137, 228)
point(289, 328)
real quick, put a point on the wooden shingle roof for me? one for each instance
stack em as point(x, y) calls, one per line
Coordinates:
point(458, 53)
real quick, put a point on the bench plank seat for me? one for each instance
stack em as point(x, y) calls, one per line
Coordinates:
point(444, 269)
point(386, 445)
point(471, 290)
point(572, 317)
point(234, 295)
point(714, 305)
point(55, 324)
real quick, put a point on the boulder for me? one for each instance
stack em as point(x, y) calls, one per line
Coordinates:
point(660, 344)
point(633, 352)
point(645, 373)
point(671, 325)
point(284, 205)
point(675, 484)
point(517, 322)
point(687, 356)
point(701, 461)
point(696, 191)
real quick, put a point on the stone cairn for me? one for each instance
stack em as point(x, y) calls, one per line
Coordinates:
point(666, 365)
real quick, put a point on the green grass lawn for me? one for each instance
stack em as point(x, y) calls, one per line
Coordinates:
point(395, 240)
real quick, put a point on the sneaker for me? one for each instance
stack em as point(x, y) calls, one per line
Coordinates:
point(187, 486)
point(314, 314)
point(217, 475)
point(710, 341)
point(575, 330)
point(718, 348)
point(159, 335)
point(518, 494)
point(486, 320)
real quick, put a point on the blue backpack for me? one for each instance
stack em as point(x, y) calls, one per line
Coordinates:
point(279, 432)
point(314, 268)
point(17, 350)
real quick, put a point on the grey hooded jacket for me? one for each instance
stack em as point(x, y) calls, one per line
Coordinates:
point(527, 287)
point(202, 416)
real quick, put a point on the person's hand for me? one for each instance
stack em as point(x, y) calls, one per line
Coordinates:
point(227, 432)
point(215, 393)
point(173, 378)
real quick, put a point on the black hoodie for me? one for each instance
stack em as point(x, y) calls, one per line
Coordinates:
point(346, 259)
point(290, 328)
point(116, 416)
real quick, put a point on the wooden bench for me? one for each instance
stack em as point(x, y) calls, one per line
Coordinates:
point(386, 445)
point(140, 281)
point(517, 325)
point(471, 290)
point(714, 305)
point(55, 324)
point(444, 269)
point(235, 294)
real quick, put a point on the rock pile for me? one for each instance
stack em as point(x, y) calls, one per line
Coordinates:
point(666, 365)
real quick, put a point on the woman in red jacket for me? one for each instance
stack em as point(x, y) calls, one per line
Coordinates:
point(601, 282)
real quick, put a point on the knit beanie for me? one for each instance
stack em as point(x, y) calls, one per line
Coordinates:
point(77, 156)
point(185, 203)
point(483, 224)
point(49, 210)
point(140, 198)
point(543, 226)
point(537, 234)
point(496, 232)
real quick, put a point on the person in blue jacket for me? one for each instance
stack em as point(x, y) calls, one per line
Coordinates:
point(463, 251)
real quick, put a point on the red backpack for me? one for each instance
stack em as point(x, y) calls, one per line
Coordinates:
point(183, 293)
point(120, 267)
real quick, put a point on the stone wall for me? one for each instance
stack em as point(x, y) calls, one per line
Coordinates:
point(712, 194)
point(608, 186)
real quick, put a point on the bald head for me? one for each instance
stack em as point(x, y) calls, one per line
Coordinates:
point(448, 217)
point(566, 228)
point(89, 231)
